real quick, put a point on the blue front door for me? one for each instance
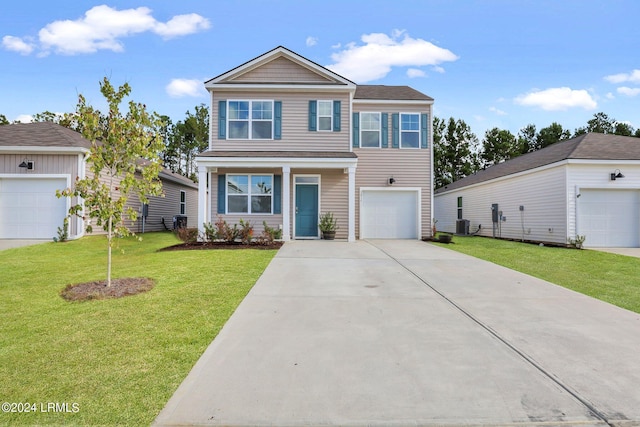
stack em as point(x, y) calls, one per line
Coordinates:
point(306, 210)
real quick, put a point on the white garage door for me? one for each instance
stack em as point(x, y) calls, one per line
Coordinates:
point(609, 218)
point(29, 208)
point(389, 214)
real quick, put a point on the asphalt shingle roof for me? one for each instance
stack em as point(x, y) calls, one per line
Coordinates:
point(591, 146)
point(42, 134)
point(382, 92)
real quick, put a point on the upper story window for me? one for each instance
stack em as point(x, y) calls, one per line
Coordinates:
point(409, 130)
point(250, 119)
point(370, 130)
point(250, 194)
point(325, 115)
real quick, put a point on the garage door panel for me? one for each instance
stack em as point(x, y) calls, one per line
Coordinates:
point(389, 214)
point(29, 207)
point(609, 218)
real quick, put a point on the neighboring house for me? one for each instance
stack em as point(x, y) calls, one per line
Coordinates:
point(36, 159)
point(586, 186)
point(290, 140)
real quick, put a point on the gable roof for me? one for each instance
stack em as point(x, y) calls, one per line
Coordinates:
point(46, 135)
point(317, 74)
point(383, 92)
point(590, 146)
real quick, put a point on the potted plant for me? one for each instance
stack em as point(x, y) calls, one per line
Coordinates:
point(328, 225)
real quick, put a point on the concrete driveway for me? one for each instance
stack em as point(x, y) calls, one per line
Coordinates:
point(407, 333)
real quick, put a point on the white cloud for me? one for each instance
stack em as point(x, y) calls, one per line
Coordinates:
point(415, 72)
point(497, 111)
point(557, 99)
point(179, 88)
point(633, 77)
point(103, 27)
point(311, 41)
point(379, 52)
point(609, 95)
point(24, 118)
point(17, 44)
point(438, 69)
point(628, 91)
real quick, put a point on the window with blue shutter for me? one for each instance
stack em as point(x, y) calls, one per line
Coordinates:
point(277, 194)
point(336, 116)
point(356, 130)
point(277, 120)
point(384, 129)
point(395, 130)
point(222, 119)
point(222, 196)
point(313, 116)
point(424, 130)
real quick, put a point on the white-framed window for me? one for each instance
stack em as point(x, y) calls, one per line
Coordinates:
point(250, 119)
point(250, 194)
point(325, 115)
point(370, 130)
point(183, 202)
point(409, 130)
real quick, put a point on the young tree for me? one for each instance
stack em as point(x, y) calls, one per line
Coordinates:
point(124, 160)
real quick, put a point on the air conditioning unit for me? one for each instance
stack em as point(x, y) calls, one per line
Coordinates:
point(462, 227)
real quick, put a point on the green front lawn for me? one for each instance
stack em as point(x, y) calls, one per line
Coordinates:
point(608, 277)
point(117, 360)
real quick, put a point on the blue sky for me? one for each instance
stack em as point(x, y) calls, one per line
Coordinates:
point(493, 63)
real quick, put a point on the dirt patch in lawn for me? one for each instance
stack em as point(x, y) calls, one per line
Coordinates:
point(222, 245)
point(99, 290)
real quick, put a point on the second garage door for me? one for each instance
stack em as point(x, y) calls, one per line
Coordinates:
point(29, 208)
point(609, 218)
point(389, 214)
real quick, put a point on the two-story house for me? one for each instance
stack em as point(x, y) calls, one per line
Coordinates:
point(291, 140)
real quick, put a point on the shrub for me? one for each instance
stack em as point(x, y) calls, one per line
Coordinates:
point(269, 234)
point(245, 233)
point(225, 231)
point(210, 232)
point(63, 232)
point(187, 235)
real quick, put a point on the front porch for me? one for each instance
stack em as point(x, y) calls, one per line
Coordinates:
point(287, 190)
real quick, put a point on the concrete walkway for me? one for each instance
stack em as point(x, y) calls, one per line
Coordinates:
point(407, 333)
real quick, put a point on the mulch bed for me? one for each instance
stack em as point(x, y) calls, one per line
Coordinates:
point(221, 245)
point(98, 290)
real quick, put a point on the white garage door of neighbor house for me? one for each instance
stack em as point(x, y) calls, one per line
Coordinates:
point(29, 208)
point(609, 218)
point(389, 214)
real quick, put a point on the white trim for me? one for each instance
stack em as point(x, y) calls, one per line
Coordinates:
point(352, 205)
point(249, 194)
point(393, 101)
point(274, 54)
point(286, 203)
point(318, 101)
point(203, 205)
point(400, 114)
point(319, 184)
point(44, 150)
point(417, 190)
point(183, 205)
point(276, 162)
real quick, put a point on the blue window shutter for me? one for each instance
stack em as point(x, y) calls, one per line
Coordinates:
point(313, 116)
point(222, 193)
point(384, 130)
point(277, 194)
point(356, 130)
point(277, 122)
point(336, 116)
point(395, 130)
point(222, 119)
point(424, 128)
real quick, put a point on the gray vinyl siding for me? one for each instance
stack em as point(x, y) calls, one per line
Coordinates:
point(45, 164)
point(334, 197)
point(295, 129)
point(542, 193)
point(410, 168)
point(281, 70)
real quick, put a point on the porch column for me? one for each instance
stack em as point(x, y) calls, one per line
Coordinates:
point(352, 204)
point(202, 199)
point(286, 203)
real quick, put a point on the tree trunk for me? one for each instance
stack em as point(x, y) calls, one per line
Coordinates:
point(109, 238)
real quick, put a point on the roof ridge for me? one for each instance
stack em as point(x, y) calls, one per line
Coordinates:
point(580, 139)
